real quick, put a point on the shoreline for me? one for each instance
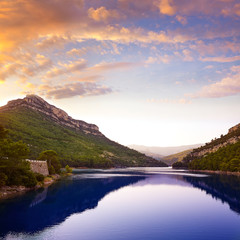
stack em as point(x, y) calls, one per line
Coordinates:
point(216, 172)
point(7, 192)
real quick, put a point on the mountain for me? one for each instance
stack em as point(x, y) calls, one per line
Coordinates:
point(220, 154)
point(177, 157)
point(160, 152)
point(43, 126)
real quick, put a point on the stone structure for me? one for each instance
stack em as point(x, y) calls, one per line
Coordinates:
point(39, 167)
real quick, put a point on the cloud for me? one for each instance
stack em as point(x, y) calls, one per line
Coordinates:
point(25, 65)
point(217, 47)
point(165, 7)
point(159, 59)
point(42, 63)
point(22, 21)
point(80, 66)
point(69, 68)
point(209, 67)
point(8, 70)
point(54, 23)
point(114, 66)
point(48, 24)
point(52, 41)
point(235, 69)
point(234, 10)
point(91, 78)
point(102, 14)
point(110, 27)
point(82, 89)
point(187, 55)
point(220, 59)
point(170, 101)
point(151, 60)
point(181, 19)
point(183, 8)
point(77, 52)
point(30, 86)
point(228, 86)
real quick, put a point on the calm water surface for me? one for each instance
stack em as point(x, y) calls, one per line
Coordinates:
point(129, 204)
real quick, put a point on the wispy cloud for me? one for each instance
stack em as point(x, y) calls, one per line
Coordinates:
point(228, 86)
point(220, 59)
point(104, 66)
point(170, 101)
point(69, 68)
point(82, 89)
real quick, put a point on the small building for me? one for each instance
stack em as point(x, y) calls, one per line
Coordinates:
point(39, 166)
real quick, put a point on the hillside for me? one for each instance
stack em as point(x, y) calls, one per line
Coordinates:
point(224, 159)
point(220, 154)
point(232, 137)
point(177, 157)
point(161, 152)
point(43, 126)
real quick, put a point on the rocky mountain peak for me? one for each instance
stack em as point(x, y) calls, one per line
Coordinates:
point(232, 129)
point(37, 103)
point(34, 98)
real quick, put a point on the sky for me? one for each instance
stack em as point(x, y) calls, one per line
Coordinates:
point(154, 73)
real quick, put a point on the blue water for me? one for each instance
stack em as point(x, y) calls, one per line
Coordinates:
point(127, 204)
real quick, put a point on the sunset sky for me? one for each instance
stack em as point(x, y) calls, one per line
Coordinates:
point(150, 72)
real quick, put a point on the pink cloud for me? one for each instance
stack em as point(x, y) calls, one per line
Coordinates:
point(82, 89)
point(228, 86)
point(69, 68)
point(102, 14)
point(220, 59)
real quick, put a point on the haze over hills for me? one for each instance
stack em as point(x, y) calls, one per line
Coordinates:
point(163, 151)
point(176, 157)
point(43, 126)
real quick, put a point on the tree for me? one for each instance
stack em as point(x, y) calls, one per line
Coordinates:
point(3, 132)
point(68, 169)
point(3, 179)
point(51, 157)
point(14, 171)
point(234, 165)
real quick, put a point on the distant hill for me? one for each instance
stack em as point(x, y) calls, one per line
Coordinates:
point(177, 157)
point(43, 126)
point(220, 154)
point(160, 152)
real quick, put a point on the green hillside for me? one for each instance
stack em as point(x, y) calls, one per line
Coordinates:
point(224, 159)
point(177, 157)
point(74, 147)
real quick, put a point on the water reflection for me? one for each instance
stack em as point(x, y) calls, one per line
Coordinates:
point(223, 187)
point(38, 210)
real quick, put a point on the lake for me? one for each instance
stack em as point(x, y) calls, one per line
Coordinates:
point(127, 204)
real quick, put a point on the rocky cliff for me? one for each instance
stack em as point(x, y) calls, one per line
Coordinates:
point(38, 104)
point(232, 137)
